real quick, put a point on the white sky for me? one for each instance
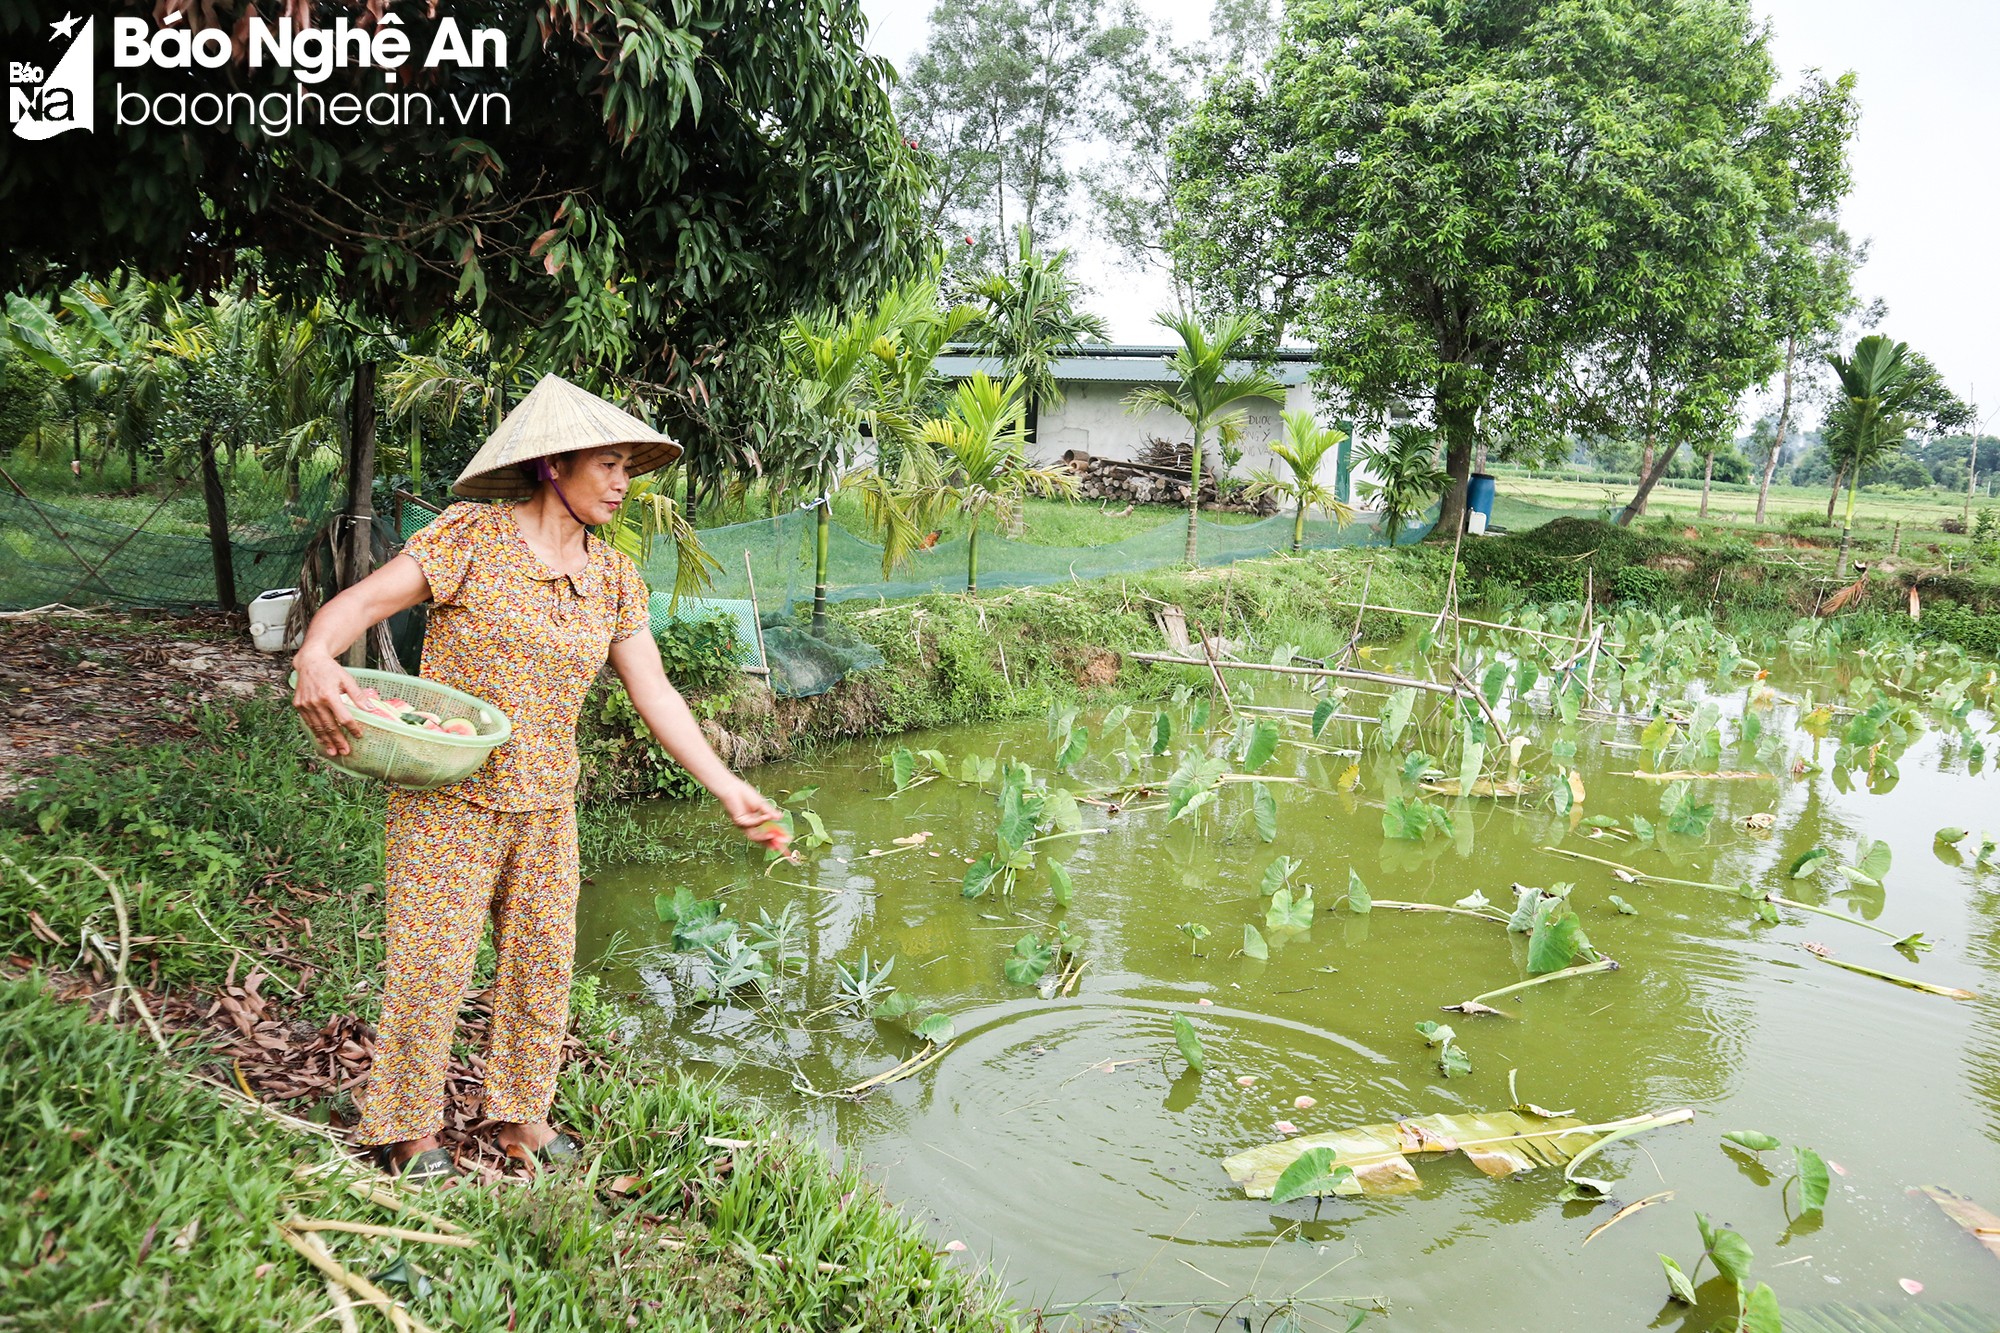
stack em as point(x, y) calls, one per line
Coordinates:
point(1926, 165)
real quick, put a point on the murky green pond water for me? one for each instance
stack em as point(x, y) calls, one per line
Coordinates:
point(1063, 1141)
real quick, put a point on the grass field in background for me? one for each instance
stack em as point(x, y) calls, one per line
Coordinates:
point(1921, 513)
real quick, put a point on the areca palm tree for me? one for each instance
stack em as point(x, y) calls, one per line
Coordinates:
point(1304, 448)
point(1866, 421)
point(1028, 315)
point(1210, 392)
point(1404, 474)
point(973, 461)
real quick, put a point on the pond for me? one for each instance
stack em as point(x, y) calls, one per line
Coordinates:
point(1061, 1135)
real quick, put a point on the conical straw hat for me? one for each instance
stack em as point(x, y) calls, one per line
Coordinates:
point(556, 418)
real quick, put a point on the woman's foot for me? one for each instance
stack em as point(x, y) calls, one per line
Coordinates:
point(536, 1143)
point(525, 1138)
point(416, 1159)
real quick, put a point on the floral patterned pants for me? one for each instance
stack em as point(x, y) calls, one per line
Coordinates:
point(449, 864)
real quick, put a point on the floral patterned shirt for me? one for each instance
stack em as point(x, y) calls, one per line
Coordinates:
point(507, 628)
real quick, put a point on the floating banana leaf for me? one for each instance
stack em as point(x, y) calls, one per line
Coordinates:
point(1979, 1224)
point(1499, 1143)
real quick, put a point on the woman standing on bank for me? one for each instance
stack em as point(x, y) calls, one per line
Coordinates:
point(526, 608)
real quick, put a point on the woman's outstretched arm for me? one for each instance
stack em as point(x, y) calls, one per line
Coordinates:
point(397, 586)
point(636, 659)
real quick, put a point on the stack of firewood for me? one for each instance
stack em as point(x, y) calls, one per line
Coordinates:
point(1118, 481)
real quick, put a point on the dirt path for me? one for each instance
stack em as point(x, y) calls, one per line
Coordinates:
point(69, 684)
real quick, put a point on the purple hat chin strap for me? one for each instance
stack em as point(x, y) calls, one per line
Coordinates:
point(546, 473)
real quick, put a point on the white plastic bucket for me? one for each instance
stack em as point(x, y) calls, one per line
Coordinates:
point(268, 613)
point(1475, 522)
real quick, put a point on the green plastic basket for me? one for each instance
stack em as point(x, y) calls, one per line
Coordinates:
point(408, 756)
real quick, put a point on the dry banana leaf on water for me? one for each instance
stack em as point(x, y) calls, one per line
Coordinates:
point(1978, 1223)
point(1499, 1143)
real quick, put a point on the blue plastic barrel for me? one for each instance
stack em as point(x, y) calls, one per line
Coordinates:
point(1479, 500)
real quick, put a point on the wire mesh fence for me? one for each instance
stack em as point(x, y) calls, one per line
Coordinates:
point(51, 555)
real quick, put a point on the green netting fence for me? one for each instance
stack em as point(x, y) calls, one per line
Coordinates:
point(53, 555)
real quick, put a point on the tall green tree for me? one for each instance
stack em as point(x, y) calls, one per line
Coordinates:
point(999, 94)
point(1030, 311)
point(1456, 201)
point(1213, 385)
point(1810, 295)
point(1717, 286)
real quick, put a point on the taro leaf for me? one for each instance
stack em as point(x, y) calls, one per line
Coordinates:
point(1264, 807)
point(1527, 905)
point(902, 766)
point(1113, 719)
point(1570, 702)
point(1285, 913)
point(1499, 1143)
point(1435, 1034)
point(979, 875)
point(1875, 863)
point(1313, 1173)
point(1730, 1252)
point(1190, 1044)
point(1814, 1182)
point(937, 1029)
point(1415, 765)
point(818, 836)
point(895, 1006)
point(1818, 722)
point(1060, 885)
point(1277, 874)
point(1253, 943)
point(1525, 678)
point(1760, 1311)
point(1754, 1140)
point(1407, 819)
point(1624, 908)
point(1163, 732)
point(1020, 811)
point(1198, 715)
point(703, 934)
point(1654, 737)
point(1030, 959)
point(1453, 1062)
point(1556, 942)
point(1263, 744)
point(1473, 901)
point(1810, 862)
point(1470, 762)
point(1323, 712)
point(1075, 748)
point(680, 904)
point(1494, 684)
point(1860, 877)
point(1060, 809)
point(1358, 899)
point(1951, 835)
point(1396, 715)
point(1643, 827)
point(1677, 1282)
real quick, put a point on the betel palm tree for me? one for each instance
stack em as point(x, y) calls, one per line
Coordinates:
point(1028, 315)
point(1866, 421)
point(1304, 448)
point(1210, 392)
point(973, 461)
point(1403, 475)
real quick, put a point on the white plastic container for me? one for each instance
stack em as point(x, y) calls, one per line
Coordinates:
point(268, 613)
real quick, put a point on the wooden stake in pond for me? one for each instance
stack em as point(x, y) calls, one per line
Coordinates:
point(1208, 651)
point(1338, 673)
